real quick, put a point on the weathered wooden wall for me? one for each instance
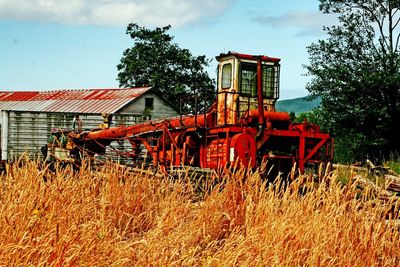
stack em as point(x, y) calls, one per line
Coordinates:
point(29, 131)
point(161, 109)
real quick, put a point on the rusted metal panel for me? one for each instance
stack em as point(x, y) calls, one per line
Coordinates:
point(227, 104)
point(77, 101)
point(17, 96)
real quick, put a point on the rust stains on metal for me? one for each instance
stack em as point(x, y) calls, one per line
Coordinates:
point(78, 101)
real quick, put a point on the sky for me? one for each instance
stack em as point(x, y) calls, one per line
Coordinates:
point(75, 44)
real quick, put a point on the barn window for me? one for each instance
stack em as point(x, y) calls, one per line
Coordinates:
point(149, 103)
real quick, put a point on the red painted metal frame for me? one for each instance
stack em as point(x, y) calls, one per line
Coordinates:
point(211, 143)
point(175, 152)
point(303, 135)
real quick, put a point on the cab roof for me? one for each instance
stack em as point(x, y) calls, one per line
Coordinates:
point(247, 56)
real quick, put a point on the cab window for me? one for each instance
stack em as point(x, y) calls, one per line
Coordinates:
point(248, 80)
point(226, 76)
point(268, 79)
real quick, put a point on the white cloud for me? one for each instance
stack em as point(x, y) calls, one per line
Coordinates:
point(114, 12)
point(310, 23)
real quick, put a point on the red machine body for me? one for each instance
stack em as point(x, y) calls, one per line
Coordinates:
point(241, 127)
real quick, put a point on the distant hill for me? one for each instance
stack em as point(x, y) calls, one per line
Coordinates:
point(297, 105)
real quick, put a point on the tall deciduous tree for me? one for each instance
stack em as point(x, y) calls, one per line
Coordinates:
point(173, 72)
point(356, 71)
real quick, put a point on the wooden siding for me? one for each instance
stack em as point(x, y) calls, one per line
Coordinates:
point(29, 131)
point(161, 109)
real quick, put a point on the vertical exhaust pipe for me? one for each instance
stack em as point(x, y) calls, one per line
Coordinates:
point(261, 119)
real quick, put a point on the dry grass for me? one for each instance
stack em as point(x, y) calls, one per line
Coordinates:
point(112, 217)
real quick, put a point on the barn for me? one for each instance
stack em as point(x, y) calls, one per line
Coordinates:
point(27, 118)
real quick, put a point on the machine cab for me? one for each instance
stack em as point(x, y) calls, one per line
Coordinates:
point(245, 83)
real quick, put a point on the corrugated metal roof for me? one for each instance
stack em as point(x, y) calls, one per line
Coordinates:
point(76, 101)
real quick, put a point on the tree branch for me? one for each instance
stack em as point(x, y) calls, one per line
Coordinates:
point(397, 22)
point(373, 44)
point(395, 11)
point(384, 7)
point(380, 23)
point(397, 43)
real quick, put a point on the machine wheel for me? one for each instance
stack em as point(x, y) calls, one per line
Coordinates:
point(243, 150)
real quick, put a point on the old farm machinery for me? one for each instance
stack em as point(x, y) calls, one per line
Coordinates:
point(241, 127)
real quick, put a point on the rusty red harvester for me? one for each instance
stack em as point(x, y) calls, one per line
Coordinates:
point(242, 127)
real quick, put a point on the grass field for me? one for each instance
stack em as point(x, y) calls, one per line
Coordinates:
point(112, 217)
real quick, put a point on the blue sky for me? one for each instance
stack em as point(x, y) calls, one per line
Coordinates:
point(55, 44)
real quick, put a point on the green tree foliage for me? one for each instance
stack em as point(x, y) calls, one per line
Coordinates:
point(356, 72)
point(173, 72)
point(311, 116)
